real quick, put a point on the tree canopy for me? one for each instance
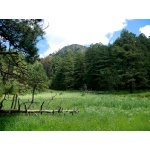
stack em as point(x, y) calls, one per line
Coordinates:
point(123, 65)
point(18, 39)
point(21, 35)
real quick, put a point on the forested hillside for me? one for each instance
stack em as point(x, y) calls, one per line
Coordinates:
point(123, 65)
point(74, 48)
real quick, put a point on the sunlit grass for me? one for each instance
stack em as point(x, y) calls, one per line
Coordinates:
point(97, 112)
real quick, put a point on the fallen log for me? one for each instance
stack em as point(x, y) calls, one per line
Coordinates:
point(37, 111)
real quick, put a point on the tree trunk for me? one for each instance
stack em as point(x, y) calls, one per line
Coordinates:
point(131, 87)
point(33, 92)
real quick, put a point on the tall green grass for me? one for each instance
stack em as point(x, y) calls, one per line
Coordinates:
point(97, 112)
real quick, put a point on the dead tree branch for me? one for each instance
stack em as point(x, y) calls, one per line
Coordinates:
point(35, 111)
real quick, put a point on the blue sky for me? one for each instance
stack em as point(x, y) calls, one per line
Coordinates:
point(55, 42)
point(134, 27)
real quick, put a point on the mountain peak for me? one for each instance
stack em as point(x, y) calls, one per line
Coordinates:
point(70, 48)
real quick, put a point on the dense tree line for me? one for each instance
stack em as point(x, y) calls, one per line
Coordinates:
point(123, 65)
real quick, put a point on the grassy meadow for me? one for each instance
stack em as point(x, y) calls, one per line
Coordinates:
point(97, 112)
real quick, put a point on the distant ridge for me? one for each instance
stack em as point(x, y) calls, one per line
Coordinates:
point(74, 48)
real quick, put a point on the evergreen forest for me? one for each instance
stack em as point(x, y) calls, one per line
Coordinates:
point(122, 65)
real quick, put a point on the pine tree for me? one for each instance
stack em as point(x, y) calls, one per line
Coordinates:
point(129, 62)
point(79, 71)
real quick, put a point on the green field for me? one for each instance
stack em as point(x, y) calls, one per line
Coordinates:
point(97, 112)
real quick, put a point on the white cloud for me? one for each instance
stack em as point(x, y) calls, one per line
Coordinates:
point(145, 30)
point(53, 47)
point(80, 23)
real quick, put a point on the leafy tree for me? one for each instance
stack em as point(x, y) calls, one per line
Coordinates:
point(123, 65)
point(108, 74)
point(57, 73)
point(63, 72)
point(37, 78)
point(1, 87)
point(97, 61)
point(68, 66)
point(12, 78)
point(47, 65)
point(11, 70)
point(79, 70)
point(143, 44)
point(129, 62)
point(92, 70)
point(18, 39)
point(20, 35)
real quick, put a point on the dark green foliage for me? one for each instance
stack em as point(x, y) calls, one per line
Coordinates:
point(57, 73)
point(79, 70)
point(37, 78)
point(68, 69)
point(18, 39)
point(123, 65)
point(21, 35)
point(131, 61)
point(99, 68)
point(63, 77)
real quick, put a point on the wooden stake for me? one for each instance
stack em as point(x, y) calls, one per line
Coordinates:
point(41, 108)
